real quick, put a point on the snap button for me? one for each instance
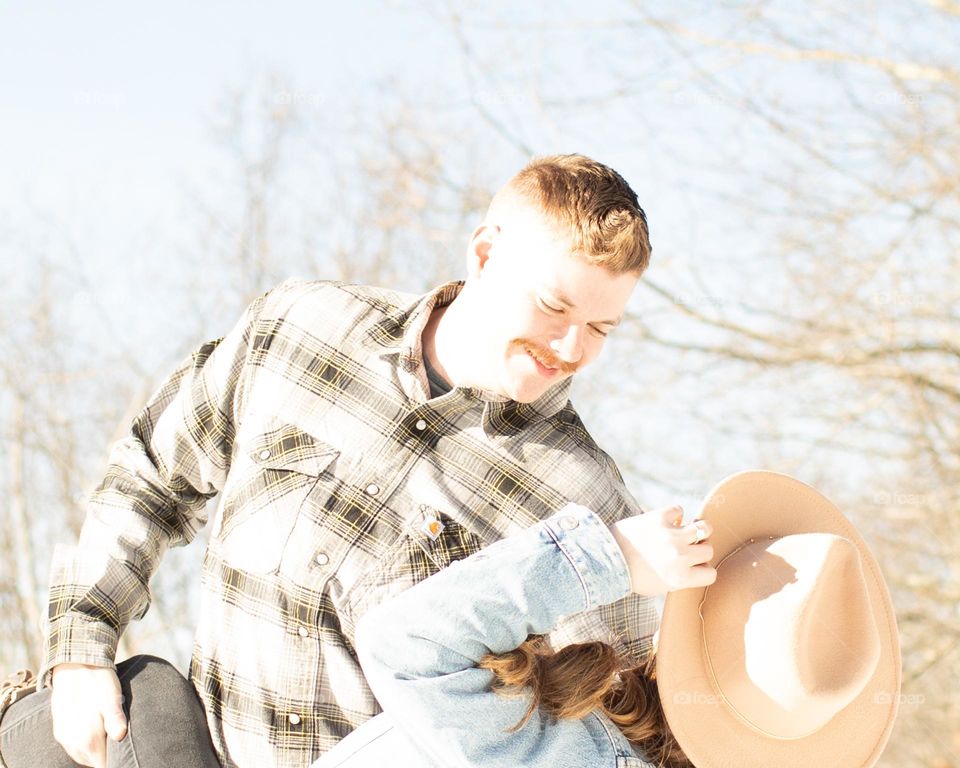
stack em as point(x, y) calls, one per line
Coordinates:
point(302, 631)
point(265, 453)
point(568, 523)
point(373, 489)
point(294, 718)
point(421, 425)
point(322, 558)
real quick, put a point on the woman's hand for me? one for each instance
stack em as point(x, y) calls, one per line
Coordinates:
point(662, 555)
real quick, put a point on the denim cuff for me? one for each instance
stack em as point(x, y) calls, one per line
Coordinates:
point(590, 548)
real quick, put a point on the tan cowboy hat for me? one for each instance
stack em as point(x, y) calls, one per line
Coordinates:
point(791, 657)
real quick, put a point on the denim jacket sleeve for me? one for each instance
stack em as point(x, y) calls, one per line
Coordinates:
point(420, 649)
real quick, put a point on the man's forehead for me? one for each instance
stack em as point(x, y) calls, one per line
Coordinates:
point(520, 219)
point(535, 248)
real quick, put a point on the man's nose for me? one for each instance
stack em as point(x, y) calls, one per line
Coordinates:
point(569, 347)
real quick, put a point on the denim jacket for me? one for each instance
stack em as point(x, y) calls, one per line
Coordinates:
point(420, 649)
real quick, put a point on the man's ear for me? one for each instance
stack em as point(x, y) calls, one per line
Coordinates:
point(478, 251)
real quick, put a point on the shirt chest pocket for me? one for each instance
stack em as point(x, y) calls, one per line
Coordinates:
point(429, 542)
point(269, 481)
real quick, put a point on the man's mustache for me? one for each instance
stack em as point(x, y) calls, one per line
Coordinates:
point(545, 356)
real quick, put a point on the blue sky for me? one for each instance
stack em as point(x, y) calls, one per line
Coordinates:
point(106, 110)
point(97, 95)
point(106, 114)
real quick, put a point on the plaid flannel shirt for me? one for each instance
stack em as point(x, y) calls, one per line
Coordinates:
point(342, 483)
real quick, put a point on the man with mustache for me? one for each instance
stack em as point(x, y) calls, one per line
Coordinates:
point(361, 439)
point(531, 313)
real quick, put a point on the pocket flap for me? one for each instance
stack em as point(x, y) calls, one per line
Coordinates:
point(290, 448)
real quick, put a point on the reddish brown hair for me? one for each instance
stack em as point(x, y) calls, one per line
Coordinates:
point(591, 204)
point(582, 678)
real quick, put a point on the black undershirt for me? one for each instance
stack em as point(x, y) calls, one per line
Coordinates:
point(438, 385)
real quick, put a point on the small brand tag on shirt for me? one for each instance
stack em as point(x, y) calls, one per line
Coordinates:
point(432, 527)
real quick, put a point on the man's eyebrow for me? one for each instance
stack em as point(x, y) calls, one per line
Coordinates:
point(563, 299)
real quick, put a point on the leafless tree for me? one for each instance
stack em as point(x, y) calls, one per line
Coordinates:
point(806, 318)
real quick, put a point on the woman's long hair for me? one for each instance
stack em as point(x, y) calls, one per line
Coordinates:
point(581, 678)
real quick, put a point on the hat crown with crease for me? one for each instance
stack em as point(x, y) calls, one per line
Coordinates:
point(788, 633)
point(791, 657)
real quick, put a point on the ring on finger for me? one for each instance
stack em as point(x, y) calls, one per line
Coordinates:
point(701, 531)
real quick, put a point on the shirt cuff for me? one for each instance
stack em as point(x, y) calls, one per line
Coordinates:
point(78, 640)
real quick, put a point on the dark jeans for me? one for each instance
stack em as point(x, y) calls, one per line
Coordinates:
point(165, 724)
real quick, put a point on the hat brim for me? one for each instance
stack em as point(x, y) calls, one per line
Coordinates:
point(755, 504)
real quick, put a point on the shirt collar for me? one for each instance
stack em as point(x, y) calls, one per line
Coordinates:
point(399, 333)
point(401, 329)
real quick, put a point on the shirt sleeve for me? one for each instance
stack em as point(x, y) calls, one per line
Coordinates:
point(420, 649)
point(153, 495)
